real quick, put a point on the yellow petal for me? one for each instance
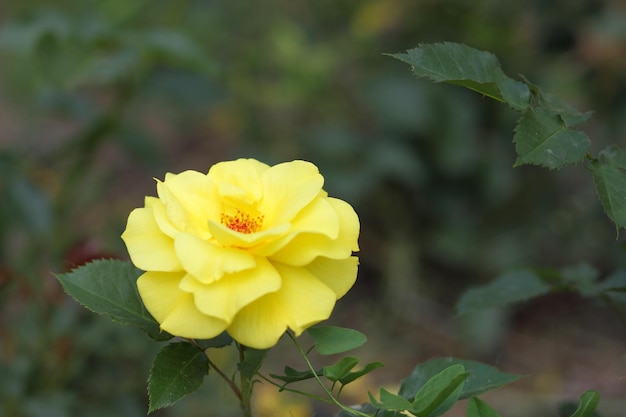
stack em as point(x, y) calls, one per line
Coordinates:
point(287, 189)
point(190, 199)
point(305, 247)
point(301, 301)
point(160, 216)
point(238, 182)
point(174, 309)
point(224, 298)
point(338, 274)
point(318, 217)
point(208, 262)
point(148, 247)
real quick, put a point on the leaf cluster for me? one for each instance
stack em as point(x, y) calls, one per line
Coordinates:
point(546, 132)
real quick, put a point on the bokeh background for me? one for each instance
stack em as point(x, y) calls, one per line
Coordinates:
point(97, 98)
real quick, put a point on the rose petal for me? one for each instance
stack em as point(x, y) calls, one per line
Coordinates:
point(208, 262)
point(224, 298)
point(338, 274)
point(148, 247)
point(301, 301)
point(239, 182)
point(174, 309)
point(228, 237)
point(287, 189)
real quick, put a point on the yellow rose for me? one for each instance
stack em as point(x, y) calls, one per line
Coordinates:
point(247, 248)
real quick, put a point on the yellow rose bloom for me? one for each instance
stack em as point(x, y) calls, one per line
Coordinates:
point(248, 248)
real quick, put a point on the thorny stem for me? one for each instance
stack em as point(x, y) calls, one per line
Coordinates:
point(321, 384)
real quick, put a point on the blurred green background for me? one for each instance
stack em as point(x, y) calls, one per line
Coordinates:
point(99, 97)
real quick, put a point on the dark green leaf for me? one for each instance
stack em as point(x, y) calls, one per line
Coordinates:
point(542, 138)
point(587, 404)
point(609, 177)
point(330, 339)
point(355, 375)
point(340, 369)
point(109, 287)
point(478, 408)
point(468, 67)
point(292, 375)
point(440, 392)
point(482, 377)
point(252, 360)
point(369, 409)
point(509, 288)
point(178, 370)
point(221, 340)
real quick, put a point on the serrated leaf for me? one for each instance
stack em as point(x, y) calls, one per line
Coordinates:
point(542, 138)
point(609, 177)
point(506, 289)
point(478, 408)
point(340, 369)
point(109, 287)
point(587, 404)
point(468, 67)
point(482, 377)
point(178, 370)
point(330, 340)
point(440, 392)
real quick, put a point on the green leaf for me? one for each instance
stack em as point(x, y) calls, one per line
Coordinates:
point(330, 339)
point(292, 375)
point(482, 377)
point(468, 67)
point(440, 392)
point(583, 277)
point(478, 408)
point(609, 177)
point(357, 374)
point(587, 404)
point(506, 289)
point(542, 138)
point(390, 401)
point(252, 361)
point(109, 287)
point(340, 369)
point(178, 370)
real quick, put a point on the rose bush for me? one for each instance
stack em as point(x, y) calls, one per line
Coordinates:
point(248, 248)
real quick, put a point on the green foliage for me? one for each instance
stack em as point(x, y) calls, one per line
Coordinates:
point(178, 370)
point(482, 378)
point(109, 287)
point(253, 358)
point(544, 134)
point(330, 340)
point(587, 404)
point(478, 408)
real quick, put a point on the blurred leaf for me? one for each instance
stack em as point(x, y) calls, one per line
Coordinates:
point(478, 408)
point(506, 289)
point(583, 277)
point(30, 204)
point(371, 410)
point(609, 177)
point(467, 67)
point(330, 339)
point(587, 404)
point(109, 287)
point(178, 370)
point(542, 138)
point(482, 377)
point(253, 358)
point(440, 392)
point(340, 369)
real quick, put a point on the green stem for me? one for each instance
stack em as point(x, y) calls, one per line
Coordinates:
point(321, 384)
point(295, 391)
point(246, 387)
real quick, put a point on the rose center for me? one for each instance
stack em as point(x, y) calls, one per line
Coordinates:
point(242, 222)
